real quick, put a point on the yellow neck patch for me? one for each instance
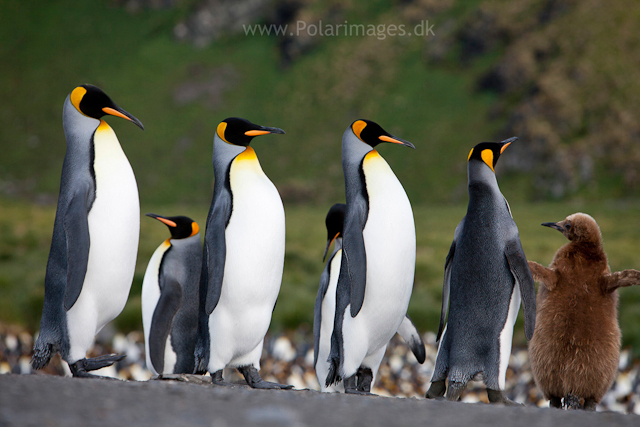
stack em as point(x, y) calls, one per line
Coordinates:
point(103, 126)
point(220, 131)
point(371, 155)
point(487, 157)
point(76, 97)
point(357, 127)
point(247, 155)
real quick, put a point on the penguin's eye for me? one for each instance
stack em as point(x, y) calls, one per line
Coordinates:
point(567, 226)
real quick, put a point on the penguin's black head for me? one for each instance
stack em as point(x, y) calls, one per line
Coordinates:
point(371, 133)
point(180, 227)
point(93, 102)
point(335, 224)
point(489, 152)
point(237, 131)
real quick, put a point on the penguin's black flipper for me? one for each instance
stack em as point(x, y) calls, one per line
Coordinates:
point(162, 320)
point(76, 228)
point(411, 336)
point(215, 249)
point(520, 270)
point(317, 310)
point(447, 279)
point(354, 256)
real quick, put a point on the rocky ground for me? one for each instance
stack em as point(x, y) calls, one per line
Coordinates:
point(286, 359)
point(47, 400)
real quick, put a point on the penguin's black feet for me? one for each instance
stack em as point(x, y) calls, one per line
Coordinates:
point(254, 380)
point(436, 390)
point(351, 387)
point(590, 404)
point(455, 389)
point(216, 378)
point(555, 402)
point(82, 367)
point(364, 378)
point(571, 401)
point(497, 396)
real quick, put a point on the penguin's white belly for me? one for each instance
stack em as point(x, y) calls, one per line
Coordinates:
point(150, 297)
point(255, 241)
point(390, 245)
point(328, 313)
point(114, 228)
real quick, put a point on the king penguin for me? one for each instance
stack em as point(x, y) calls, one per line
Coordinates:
point(486, 275)
point(324, 310)
point(95, 235)
point(243, 257)
point(170, 298)
point(377, 261)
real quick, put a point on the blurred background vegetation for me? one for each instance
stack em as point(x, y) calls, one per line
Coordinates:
point(562, 75)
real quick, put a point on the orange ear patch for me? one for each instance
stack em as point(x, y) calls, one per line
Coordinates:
point(220, 131)
point(487, 157)
point(357, 127)
point(194, 228)
point(76, 97)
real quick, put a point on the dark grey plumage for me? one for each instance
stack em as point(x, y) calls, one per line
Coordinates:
point(485, 268)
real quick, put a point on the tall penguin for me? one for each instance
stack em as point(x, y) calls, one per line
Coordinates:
point(170, 298)
point(486, 275)
point(325, 308)
point(243, 257)
point(95, 235)
point(378, 259)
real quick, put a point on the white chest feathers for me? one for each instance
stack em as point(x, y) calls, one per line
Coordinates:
point(114, 227)
point(255, 235)
point(390, 242)
point(151, 295)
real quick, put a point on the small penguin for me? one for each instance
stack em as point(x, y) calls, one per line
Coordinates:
point(575, 351)
point(486, 275)
point(170, 298)
point(377, 261)
point(95, 235)
point(324, 311)
point(243, 257)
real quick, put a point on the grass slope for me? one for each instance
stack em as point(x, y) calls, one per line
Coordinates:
point(25, 232)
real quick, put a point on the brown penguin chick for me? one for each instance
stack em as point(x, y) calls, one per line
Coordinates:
point(575, 349)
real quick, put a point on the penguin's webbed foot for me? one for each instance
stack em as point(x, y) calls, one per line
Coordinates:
point(254, 380)
point(497, 396)
point(351, 386)
point(216, 378)
point(436, 390)
point(364, 378)
point(82, 367)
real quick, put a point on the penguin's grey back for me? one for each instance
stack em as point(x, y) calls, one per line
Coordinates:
point(481, 281)
point(77, 172)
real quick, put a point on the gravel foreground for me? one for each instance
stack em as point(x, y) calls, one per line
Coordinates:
point(45, 400)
